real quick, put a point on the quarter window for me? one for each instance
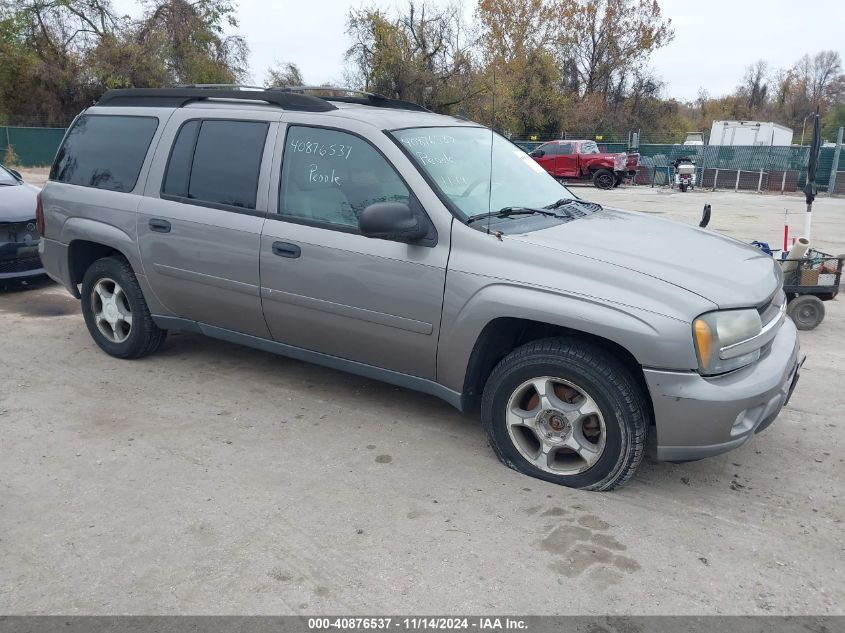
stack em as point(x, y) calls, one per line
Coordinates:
point(217, 162)
point(329, 177)
point(105, 152)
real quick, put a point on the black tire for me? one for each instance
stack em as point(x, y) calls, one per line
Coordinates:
point(620, 400)
point(144, 336)
point(604, 179)
point(806, 311)
point(683, 188)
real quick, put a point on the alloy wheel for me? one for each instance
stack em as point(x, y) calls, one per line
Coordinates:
point(111, 310)
point(556, 425)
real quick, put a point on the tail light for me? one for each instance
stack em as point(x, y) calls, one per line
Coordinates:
point(39, 214)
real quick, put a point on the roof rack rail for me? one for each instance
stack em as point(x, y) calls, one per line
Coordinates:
point(326, 89)
point(366, 98)
point(179, 97)
point(221, 86)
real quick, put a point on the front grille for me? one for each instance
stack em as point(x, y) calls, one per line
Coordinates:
point(771, 308)
point(20, 265)
point(19, 231)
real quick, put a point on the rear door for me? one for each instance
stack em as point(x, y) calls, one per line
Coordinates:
point(325, 286)
point(199, 225)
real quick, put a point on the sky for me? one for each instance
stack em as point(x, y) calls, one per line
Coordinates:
point(714, 39)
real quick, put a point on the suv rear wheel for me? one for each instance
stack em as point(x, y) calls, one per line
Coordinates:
point(115, 311)
point(566, 412)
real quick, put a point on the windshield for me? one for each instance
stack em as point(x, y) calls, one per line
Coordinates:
point(6, 178)
point(458, 160)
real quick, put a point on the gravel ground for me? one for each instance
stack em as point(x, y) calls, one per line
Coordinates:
point(211, 478)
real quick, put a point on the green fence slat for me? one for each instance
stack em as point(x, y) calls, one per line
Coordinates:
point(33, 146)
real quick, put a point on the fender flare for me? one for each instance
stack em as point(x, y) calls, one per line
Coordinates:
point(653, 339)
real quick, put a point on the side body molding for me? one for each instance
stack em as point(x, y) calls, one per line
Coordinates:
point(318, 358)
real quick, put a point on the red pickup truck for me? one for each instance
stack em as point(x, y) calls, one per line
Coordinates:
point(582, 160)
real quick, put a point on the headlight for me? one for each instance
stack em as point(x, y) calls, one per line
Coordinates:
point(717, 336)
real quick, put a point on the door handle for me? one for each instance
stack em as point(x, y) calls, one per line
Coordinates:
point(160, 226)
point(286, 249)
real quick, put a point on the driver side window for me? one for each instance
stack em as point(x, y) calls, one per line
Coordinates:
point(329, 177)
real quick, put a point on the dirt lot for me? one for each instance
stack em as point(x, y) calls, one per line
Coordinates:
point(211, 478)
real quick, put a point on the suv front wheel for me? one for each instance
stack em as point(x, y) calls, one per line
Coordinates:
point(604, 179)
point(566, 412)
point(115, 311)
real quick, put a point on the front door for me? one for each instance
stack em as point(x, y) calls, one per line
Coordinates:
point(327, 288)
point(548, 159)
point(567, 161)
point(199, 234)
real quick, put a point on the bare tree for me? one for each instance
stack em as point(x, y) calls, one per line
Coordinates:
point(284, 75)
point(416, 55)
point(609, 41)
point(755, 85)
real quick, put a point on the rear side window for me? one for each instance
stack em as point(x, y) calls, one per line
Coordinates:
point(216, 162)
point(105, 152)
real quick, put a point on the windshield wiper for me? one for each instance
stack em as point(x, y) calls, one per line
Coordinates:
point(506, 212)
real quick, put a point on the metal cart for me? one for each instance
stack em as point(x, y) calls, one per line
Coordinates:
point(808, 282)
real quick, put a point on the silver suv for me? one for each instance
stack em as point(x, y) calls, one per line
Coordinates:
point(373, 236)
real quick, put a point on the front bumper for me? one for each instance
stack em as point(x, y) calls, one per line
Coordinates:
point(19, 260)
point(698, 417)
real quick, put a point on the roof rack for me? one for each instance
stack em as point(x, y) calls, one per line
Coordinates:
point(222, 86)
point(179, 97)
point(365, 98)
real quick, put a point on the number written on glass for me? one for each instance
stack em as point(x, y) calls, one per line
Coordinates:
point(329, 150)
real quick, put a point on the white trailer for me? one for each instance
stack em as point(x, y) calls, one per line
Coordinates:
point(762, 133)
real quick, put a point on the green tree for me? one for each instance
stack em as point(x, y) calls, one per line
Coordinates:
point(521, 77)
point(60, 55)
point(832, 121)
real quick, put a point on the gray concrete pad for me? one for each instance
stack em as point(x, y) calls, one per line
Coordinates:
point(211, 478)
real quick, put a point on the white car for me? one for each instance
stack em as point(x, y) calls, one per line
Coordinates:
point(18, 230)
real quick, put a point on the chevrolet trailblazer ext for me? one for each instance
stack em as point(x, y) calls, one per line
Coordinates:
point(365, 234)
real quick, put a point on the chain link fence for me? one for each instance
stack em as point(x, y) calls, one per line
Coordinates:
point(729, 167)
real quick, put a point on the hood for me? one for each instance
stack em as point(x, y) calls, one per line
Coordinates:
point(718, 268)
point(17, 202)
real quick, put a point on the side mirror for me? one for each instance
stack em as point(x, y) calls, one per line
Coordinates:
point(537, 153)
point(392, 221)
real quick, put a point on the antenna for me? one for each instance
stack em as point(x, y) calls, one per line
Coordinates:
point(490, 181)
